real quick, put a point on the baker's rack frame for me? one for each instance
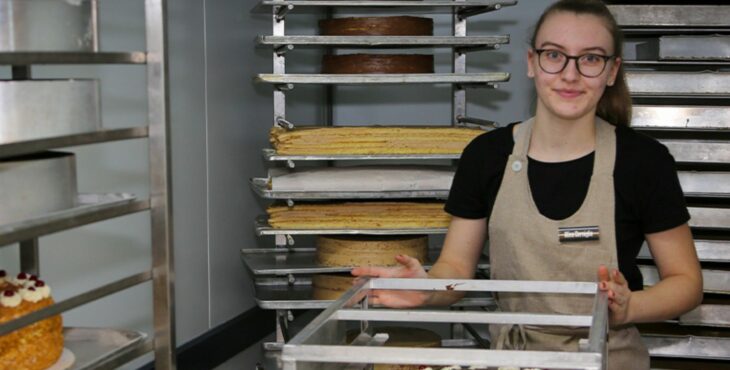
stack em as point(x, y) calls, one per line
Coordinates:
point(283, 259)
point(320, 342)
point(101, 207)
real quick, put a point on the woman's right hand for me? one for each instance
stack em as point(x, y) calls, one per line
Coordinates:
point(409, 268)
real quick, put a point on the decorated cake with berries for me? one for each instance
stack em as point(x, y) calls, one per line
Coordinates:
point(36, 346)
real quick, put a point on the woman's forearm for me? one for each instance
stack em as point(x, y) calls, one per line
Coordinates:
point(668, 299)
point(443, 270)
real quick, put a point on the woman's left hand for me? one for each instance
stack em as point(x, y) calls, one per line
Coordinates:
point(619, 295)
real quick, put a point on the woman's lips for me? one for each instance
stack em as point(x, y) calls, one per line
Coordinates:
point(569, 94)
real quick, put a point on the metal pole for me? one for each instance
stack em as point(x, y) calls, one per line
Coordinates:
point(160, 184)
point(29, 256)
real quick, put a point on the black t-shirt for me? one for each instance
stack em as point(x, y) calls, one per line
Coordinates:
point(648, 194)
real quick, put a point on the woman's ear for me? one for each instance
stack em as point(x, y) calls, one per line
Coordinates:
point(615, 66)
point(530, 63)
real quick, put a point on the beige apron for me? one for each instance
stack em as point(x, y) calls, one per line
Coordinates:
point(524, 245)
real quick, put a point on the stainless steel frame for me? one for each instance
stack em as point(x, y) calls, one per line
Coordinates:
point(320, 343)
point(260, 186)
point(97, 207)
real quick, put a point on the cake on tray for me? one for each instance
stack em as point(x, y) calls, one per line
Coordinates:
point(377, 63)
point(377, 26)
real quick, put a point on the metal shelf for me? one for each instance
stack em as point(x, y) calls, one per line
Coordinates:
point(687, 346)
point(673, 16)
point(49, 57)
point(279, 294)
point(685, 118)
point(94, 347)
point(715, 281)
point(260, 186)
point(263, 228)
point(38, 145)
point(90, 208)
point(705, 184)
point(386, 41)
point(707, 315)
point(486, 79)
point(698, 151)
point(466, 5)
point(285, 261)
point(707, 250)
point(713, 218)
point(270, 155)
point(680, 84)
point(673, 63)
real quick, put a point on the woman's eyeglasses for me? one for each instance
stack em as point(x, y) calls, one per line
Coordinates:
point(589, 65)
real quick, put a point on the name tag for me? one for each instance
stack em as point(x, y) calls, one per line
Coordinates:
point(578, 234)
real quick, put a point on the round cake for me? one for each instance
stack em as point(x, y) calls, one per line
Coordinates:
point(377, 63)
point(377, 26)
point(369, 250)
point(402, 337)
point(328, 287)
point(36, 346)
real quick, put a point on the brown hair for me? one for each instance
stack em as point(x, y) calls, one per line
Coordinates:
point(615, 104)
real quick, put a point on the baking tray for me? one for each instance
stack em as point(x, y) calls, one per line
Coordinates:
point(715, 281)
point(266, 5)
point(279, 294)
point(680, 117)
point(285, 261)
point(36, 184)
point(89, 208)
point(388, 79)
point(698, 151)
point(706, 47)
point(687, 346)
point(387, 41)
point(654, 16)
point(271, 155)
point(263, 228)
point(705, 183)
point(711, 218)
point(34, 109)
point(93, 346)
point(260, 186)
point(713, 315)
point(680, 84)
point(707, 250)
point(48, 25)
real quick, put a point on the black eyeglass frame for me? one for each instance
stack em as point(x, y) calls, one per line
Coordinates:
point(605, 58)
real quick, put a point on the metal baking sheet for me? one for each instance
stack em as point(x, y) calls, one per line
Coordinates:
point(36, 184)
point(72, 57)
point(712, 47)
point(671, 15)
point(34, 109)
point(270, 155)
point(680, 117)
point(89, 208)
point(93, 346)
point(389, 41)
point(263, 228)
point(284, 261)
point(698, 151)
point(705, 184)
point(715, 281)
point(687, 346)
point(390, 79)
point(278, 294)
point(263, 5)
point(675, 83)
point(714, 218)
point(260, 186)
point(707, 250)
point(48, 25)
point(713, 315)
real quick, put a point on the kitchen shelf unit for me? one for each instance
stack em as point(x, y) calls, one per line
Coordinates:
point(268, 266)
point(97, 347)
point(677, 85)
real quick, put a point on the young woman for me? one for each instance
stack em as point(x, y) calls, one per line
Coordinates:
point(570, 195)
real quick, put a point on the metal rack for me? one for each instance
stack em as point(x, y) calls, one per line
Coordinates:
point(282, 273)
point(94, 348)
point(680, 92)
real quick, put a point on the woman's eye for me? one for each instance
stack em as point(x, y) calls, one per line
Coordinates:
point(554, 55)
point(591, 58)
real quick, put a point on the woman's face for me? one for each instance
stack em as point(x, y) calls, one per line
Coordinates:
point(568, 94)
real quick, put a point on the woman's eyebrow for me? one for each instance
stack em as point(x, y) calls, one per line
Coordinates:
point(558, 46)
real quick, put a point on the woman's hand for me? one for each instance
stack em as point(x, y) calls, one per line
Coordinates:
point(619, 295)
point(409, 268)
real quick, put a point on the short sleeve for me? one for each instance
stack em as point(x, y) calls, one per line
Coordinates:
point(664, 206)
point(479, 174)
point(467, 198)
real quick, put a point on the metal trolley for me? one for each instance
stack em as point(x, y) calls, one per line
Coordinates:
point(320, 346)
